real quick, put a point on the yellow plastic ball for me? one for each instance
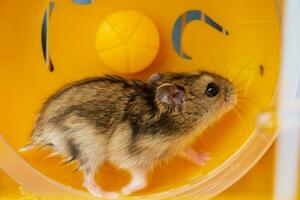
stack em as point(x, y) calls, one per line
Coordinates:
point(127, 41)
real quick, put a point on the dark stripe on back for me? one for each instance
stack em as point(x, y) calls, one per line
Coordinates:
point(106, 78)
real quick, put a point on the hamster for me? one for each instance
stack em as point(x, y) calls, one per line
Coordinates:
point(131, 123)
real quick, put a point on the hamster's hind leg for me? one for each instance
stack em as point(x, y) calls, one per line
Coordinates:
point(90, 162)
point(88, 147)
point(138, 181)
point(91, 185)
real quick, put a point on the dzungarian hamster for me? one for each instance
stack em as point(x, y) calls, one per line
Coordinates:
point(131, 123)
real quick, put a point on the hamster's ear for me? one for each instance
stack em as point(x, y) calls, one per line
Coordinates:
point(171, 94)
point(154, 78)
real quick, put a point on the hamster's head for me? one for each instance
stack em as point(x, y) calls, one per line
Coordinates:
point(200, 94)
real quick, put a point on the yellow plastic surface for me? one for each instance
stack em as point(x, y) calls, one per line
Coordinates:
point(25, 82)
point(127, 41)
point(248, 188)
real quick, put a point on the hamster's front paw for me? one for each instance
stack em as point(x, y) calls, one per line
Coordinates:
point(199, 158)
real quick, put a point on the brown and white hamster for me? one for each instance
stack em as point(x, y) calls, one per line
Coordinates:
point(131, 123)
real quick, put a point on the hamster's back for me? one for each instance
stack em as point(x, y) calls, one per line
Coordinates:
point(90, 103)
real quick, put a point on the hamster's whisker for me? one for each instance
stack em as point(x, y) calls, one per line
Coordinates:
point(240, 95)
point(246, 93)
point(250, 74)
point(238, 83)
point(246, 66)
point(235, 75)
point(241, 112)
point(247, 101)
point(241, 117)
point(243, 89)
point(243, 68)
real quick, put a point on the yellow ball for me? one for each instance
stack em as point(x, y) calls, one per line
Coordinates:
point(127, 41)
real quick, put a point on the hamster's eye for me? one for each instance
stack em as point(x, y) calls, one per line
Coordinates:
point(212, 90)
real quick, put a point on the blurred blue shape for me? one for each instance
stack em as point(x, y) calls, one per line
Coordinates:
point(83, 1)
